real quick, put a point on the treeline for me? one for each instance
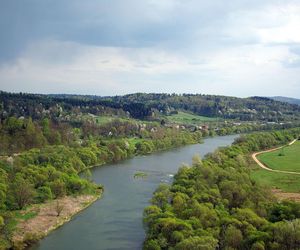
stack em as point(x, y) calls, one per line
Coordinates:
point(19, 134)
point(215, 205)
point(36, 176)
point(147, 106)
point(245, 109)
point(39, 106)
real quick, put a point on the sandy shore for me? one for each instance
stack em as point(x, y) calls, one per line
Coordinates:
point(47, 219)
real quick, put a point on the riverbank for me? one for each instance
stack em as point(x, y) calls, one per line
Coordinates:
point(39, 220)
point(29, 229)
point(116, 221)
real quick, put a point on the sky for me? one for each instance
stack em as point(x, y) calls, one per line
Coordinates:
point(114, 47)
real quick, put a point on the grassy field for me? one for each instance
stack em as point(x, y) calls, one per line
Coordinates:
point(187, 118)
point(106, 119)
point(287, 158)
point(285, 182)
point(181, 118)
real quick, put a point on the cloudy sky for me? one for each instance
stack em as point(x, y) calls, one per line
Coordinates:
point(109, 47)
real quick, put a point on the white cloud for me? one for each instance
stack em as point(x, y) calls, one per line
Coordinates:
point(287, 31)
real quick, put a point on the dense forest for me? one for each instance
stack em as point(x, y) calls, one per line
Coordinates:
point(214, 204)
point(253, 108)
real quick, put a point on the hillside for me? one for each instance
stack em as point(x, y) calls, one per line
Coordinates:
point(149, 106)
point(286, 99)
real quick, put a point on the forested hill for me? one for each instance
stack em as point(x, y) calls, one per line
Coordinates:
point(144, 106)
point(253, 108)
point(286, 99)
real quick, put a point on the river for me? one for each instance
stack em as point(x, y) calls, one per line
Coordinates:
point(114, 222)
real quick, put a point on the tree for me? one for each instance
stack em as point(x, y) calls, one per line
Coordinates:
point(44, 193)
point(151, 245)
point(258, 246)
point(58, 188)
point(21, 192)
point(233, 237)
point(287, 234)
point(3, 187)
point(198, 243)
point(58, 208)
point(197, 162)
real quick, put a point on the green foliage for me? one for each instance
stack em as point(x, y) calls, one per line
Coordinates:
point(3, 188)
point(215, 204)
point(140, 175)
point(233, 237)
point(21, 192)
point(26, 216)
point(58, 188)
point(22, 134)
point(197, 243)
point(44, 193)
point(53, 140)
point(285, 182)
point(152, 245)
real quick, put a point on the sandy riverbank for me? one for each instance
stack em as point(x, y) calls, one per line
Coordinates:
point(46, 219)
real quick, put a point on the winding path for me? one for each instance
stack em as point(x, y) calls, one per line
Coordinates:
point(254, 157)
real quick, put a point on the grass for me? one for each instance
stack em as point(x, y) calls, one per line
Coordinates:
point(187, 118)
point(181, 118)
point(134, 140)
point(287, 158)
point(285, 182)
point(100, 120)
point(104, 119)
point(140, 175)
point(21, 215)
point(26, 216)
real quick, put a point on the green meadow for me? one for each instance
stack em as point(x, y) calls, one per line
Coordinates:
point(285, 182)
point(288, 159)
point(187, 118)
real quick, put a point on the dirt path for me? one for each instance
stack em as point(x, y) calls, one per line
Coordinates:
point(254, 157)
point(281, 195)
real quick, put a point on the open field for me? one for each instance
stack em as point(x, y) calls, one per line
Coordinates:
point(285, 159)
point(187, 118)
point(284, 182)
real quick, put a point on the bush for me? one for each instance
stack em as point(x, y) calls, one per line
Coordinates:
point(58, 188)
point(44, 193)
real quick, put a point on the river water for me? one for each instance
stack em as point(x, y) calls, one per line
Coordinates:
point(114, 222)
